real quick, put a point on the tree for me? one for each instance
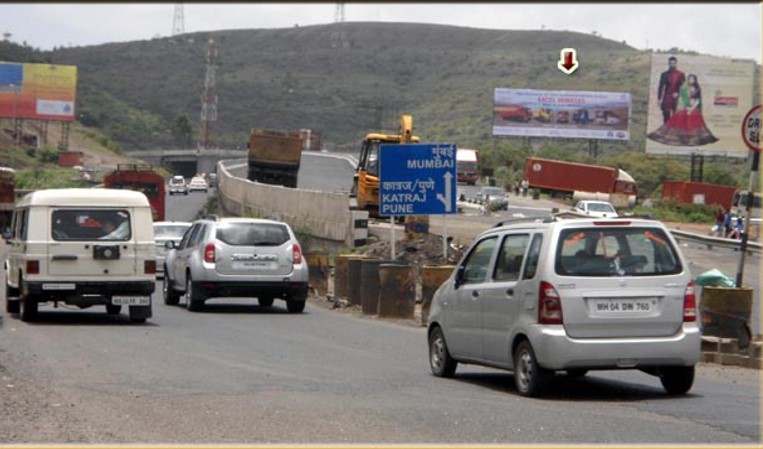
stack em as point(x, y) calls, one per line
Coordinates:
point(182, 131)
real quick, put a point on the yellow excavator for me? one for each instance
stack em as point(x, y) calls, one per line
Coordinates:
point(365, 185)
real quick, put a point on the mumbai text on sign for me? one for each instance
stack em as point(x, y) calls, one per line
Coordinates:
point(417, 179)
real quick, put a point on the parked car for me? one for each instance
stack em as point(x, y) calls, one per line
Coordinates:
point(600, 209)
point(165, 231)
point(177, 185)
point(81, 247)
point(212, 179)
point(236, 257)
point(198, 183)
point(494, 197)
point(574, 295)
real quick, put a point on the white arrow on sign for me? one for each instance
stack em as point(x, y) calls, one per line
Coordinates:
point(446, 199)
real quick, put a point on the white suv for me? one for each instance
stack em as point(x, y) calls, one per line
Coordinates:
point(569, 295)
point(82, 247)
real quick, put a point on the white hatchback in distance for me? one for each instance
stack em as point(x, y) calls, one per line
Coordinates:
point(569, 295)
point(599, 209)
point(198, 183)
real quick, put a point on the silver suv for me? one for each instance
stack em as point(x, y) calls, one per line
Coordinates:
point(236, 257)
point(571, 295)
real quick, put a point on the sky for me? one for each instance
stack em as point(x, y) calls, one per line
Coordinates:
point(718, 29)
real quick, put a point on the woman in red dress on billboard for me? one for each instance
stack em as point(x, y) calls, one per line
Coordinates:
point(687, 126)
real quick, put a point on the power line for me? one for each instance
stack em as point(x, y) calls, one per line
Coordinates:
point(178, 20)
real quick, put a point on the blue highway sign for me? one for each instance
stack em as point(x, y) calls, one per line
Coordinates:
point(417, 179)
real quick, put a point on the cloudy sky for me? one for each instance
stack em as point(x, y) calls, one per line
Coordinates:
point(720, 29)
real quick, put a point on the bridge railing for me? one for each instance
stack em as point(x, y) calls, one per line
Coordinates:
point(325, 215)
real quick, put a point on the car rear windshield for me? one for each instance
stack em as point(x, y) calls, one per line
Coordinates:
point(253, 234)
point(611, 251)
point(90, 224)
point(600, 207)
point(171, 231)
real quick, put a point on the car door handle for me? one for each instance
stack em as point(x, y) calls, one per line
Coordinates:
point(510, 292)
point(475, 294)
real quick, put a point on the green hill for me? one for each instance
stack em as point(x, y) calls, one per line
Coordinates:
point(292, 78)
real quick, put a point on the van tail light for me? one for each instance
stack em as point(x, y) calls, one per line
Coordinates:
point(209, 253)
point(296, 253)
point(32, 267)
point(149, 267)
point(549, 305)
point(690, 304)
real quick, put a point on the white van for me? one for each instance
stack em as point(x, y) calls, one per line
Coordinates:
point(82, 247)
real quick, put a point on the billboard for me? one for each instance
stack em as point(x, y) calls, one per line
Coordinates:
point(697, 104)
point(38, 91)
point(559, 113)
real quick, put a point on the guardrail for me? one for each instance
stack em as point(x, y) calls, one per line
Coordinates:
point(710, 241)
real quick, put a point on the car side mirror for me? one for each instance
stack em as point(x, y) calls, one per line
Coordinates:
point(459, 280)
point(169, 244)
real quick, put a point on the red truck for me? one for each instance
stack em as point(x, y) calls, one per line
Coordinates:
point(7, 196)
point(561, 178)
point(699, 193)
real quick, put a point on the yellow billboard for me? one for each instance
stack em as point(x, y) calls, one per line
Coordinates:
point(38, 91)
point(697, 104)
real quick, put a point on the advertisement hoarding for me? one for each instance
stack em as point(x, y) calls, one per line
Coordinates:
point(697, 106)
point(565, 114)
point(38, 91)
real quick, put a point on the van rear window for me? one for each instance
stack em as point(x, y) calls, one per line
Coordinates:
point(253, 234)
point(616, 252)
point(90, 224)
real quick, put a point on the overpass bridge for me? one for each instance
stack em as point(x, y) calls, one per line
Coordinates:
point(188, 162)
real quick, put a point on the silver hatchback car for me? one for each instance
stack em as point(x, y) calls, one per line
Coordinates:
point(236, 257)
point(573, 295)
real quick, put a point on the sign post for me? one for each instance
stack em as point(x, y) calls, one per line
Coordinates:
point(417, 179)
point(751, 137)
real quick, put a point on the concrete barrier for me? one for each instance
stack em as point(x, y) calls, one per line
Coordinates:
point(431, 279)
point(341, 273)
point(323, 214)
point(353, 279)
point(397, 291)
point(318, 264)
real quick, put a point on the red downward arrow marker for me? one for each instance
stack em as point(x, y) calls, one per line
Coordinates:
point(568, 62)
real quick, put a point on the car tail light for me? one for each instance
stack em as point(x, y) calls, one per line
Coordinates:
point(690, 304)
point(149, 267)
point(209, 253)
point(549, 305)
point(32, 267)
point(296, 253)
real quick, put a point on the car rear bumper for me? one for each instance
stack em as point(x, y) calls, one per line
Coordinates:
point(294, 290)
point(554, 349)
point(53, 290)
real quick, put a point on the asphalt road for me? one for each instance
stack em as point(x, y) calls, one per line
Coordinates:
point(239, 373)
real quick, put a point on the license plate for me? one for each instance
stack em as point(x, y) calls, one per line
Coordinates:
point(131, 300)
point(59, 286)
point(623, 305)
point(248, 265)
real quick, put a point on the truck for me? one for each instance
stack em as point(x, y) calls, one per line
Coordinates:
point(7, 196)
point(468, 165)
point(274, 157)
point(699, 193)
point(140, 178)
point(561, 178)
point(365, 181)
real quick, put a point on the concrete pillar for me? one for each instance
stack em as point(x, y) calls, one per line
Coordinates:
point(397, 291)
point(431, 279)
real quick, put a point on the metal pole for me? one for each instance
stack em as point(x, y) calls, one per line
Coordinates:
point(750, 201)
point(444, 239)
point(392, 237)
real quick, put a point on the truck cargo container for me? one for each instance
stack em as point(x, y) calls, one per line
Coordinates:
point(699, 193)
point(561, 178)
point(7, 196)
point(274, 157)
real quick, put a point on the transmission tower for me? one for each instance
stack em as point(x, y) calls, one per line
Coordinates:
point(178, 20)
point(339, 35)
point(208, 124)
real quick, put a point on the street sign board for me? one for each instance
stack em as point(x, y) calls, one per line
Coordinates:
point(751, 129)
point(417, 179)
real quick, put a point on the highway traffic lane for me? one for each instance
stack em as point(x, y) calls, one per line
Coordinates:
point(239, 373)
